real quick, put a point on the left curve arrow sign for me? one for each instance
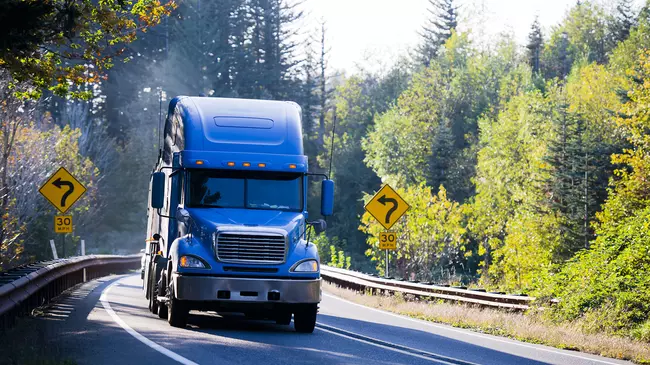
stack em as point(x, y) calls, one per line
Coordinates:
point(60, 184)
point(383, 200)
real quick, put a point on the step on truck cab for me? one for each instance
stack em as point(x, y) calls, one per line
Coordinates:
point(227, 214)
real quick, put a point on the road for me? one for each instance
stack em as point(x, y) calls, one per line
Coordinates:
point(106, 321)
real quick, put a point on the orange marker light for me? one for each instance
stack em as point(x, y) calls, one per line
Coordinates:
point(183, 261)
point(231, 164)
point(292, 166)
point(246, 164)
point(199, 162)
point(261, 165)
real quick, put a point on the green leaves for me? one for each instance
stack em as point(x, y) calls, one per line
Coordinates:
point(398, 148)
point(61, 45)
point(609, 283)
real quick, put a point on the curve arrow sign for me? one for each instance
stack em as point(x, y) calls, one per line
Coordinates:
point(60, 184)
point(383, 200)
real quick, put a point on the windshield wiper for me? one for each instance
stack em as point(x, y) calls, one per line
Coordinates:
point(205, 206)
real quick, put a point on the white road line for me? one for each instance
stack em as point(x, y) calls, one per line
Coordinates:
point(430, 358)
point(384, 347)
point(107, 306)
point(469, 333)
point(172, 355)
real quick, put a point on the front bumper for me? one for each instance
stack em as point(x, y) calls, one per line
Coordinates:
point(264, 290)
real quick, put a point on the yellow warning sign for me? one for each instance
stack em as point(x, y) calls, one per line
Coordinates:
point(388, 241)
point(62, 190)
point(62, 224)
point(387, 206)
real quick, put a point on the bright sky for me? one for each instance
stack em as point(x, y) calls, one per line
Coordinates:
point(384, 28)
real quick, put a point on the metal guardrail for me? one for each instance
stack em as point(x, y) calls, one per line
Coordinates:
point(362, 282)
point(27, 287)
point(30, 286)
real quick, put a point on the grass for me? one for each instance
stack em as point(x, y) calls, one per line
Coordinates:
point(528, 327)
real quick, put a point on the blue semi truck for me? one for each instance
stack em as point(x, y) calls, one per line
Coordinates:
point(227, 221)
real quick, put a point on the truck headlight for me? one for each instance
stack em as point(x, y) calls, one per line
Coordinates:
point(306, 266)
point(192, 262)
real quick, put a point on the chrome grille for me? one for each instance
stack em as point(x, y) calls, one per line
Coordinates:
point(251, 247)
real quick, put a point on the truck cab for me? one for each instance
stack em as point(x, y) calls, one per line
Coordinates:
point(227, 216)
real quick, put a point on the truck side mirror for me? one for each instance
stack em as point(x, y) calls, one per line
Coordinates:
point(157, 190)
point(327, 198)
point(319, 226)
point(183, 216)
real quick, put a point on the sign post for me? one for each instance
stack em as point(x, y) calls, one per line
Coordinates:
point(387, 207)
point(62, 190)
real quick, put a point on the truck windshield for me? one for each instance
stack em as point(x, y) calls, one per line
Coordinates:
point(245, 189)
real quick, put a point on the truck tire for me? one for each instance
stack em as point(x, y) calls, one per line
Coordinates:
point(304, 318)
point(283, 317)
point(177, 311)
point(153, 292)
point(162, 307)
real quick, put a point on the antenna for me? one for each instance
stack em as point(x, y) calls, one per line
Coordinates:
point(329, 174)
point(159, 121)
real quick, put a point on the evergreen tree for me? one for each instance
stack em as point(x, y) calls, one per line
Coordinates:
point(574, 184)
point(309, 102)
point(272, 47)
point(442, 153)
point(190, 43)
point(438, 28)
point(558, 56)
point(644, 13)
point(534, 46)
point(622, 21)
point(226, 19)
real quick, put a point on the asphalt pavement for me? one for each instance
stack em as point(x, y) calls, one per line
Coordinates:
point(106, 321)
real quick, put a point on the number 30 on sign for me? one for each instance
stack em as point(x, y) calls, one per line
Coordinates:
point(63, 224)
point(387, 241)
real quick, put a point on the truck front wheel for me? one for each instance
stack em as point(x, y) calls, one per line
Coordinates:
point(283, 317)
point(304, 318)
point(177, 310)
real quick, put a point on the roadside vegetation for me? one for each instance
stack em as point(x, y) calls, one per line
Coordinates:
point(529, 327)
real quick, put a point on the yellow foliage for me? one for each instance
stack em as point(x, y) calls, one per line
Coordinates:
point(430, 236)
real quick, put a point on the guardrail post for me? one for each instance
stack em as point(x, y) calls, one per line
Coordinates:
point(53, 247)
point(83, 253)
